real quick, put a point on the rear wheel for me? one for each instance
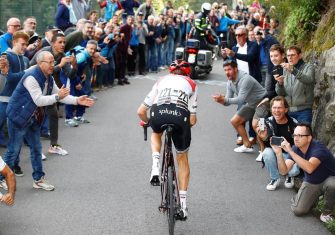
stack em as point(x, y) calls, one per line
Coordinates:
point(170, 201)
point(194, 74)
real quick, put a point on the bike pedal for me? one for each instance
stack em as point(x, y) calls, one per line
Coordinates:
point(155, 181)
point(180, 216)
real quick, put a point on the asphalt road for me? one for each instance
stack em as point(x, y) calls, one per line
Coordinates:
point(102, 186)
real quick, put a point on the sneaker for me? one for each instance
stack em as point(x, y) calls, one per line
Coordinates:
point(182, 215)
point(273, 184)
point(243, 149)
point(81, 120)
point(252, 140)
point(57, 149)
point(3, 184)
point(289, 182)
point(326, 218)
point(17, 171)
point(71, 123)
point(239, 140)
point(43, 184)
point(126, 82)
point(259, 157)
point(44, 157)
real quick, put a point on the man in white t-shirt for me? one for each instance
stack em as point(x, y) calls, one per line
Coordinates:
point(8, 198)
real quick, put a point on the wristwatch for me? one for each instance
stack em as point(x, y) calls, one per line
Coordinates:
point(57, 98)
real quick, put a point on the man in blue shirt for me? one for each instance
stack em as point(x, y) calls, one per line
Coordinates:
point(13, 25)
point(318, 164)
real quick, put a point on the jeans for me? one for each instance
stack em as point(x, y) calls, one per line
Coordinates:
point(270, 161)
point(305, 115)
point(45, 125)
point(265, 75)
point(32, 134)
point(169, 51)
point(3, 118)
point(152, 57)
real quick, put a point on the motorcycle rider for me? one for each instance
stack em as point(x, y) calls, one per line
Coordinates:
point(202, 28)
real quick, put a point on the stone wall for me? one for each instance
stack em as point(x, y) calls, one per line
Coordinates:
point(324, 111)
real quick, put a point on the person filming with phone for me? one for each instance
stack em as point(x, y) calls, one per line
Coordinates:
point(271, 131)
point(297, 85)
point(318, 165)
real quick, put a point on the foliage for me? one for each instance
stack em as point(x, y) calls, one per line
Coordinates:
point(320, 207)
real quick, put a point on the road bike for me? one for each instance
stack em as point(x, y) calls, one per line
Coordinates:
point(170, 201)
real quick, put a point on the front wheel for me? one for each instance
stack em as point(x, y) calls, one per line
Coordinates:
point(170, 201)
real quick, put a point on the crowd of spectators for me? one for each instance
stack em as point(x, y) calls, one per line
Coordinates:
point(91, 54)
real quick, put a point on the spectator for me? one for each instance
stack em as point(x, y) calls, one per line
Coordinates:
point(49, 33)
point(142, 34)
point(84, 61)
point(122, 50)
point(132, 54)
point(17, 64)
point(274, 23)
point(147, 9)
point(79, 38)
point(279, 125)
point(243, 90)
point(13, 25)
point(251, 36)
point(111, 6)
point(151, 45)
point(80, 8)
point(318, 164)
point(264, 41)
point(32, 93)
point(65, 17)
point(128, 7)
point(93, 17)
point(35, 42)
point(297, 85)
point(8, 198)
point(224, 23)
point(64, 66)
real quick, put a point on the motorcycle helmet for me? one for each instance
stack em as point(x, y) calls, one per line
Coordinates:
point(206, 8)
point(182, 65)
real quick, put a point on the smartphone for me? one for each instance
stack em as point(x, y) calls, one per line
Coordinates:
point(223, 44)
point(72, 52)
point(261, 124)
point(276, 140)
point(277, 70)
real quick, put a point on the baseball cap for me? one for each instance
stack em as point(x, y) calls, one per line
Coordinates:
point(52, 28)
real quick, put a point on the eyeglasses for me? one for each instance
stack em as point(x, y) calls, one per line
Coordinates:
point(15, 26)
point(299, 135)
point(239, 35)
point(49, 62)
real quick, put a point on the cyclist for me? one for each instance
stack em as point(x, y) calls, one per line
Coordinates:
point(172, 100)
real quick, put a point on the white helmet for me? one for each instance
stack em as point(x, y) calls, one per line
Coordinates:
point(206, 7)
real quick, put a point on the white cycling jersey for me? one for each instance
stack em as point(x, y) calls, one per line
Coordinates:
point(2, 164)
point(174, 89)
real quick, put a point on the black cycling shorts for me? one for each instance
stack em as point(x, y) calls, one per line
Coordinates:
point(180, 118)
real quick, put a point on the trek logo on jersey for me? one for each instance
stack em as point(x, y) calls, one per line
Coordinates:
point(170, 112)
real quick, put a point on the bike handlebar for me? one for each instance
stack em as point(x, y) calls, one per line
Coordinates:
point(145, 129)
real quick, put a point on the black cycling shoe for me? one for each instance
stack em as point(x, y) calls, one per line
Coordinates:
point(155, 180)
point(181, 215)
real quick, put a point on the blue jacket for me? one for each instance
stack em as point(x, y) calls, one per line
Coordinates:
point(21, 106)
point(128, 6)
point(252, 57)
point(5, 42)
point(17, 65)
point(224, 23)
point(62, 17)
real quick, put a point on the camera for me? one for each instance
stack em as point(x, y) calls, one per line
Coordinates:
point(4, 54)
point(276, 140)
point(261, 124)
point(277, 70)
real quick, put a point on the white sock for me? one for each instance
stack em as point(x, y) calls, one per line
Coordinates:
point(182, 195)
point(155, 159)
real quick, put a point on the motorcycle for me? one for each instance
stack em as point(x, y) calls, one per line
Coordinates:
point(201, 60)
